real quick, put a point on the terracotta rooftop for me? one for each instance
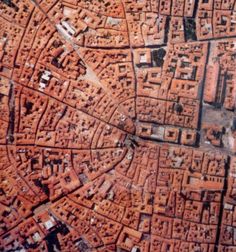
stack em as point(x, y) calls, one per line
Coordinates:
point(118, 125)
